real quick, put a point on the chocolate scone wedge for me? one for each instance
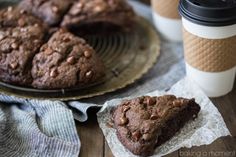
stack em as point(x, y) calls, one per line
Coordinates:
point(86, 13)
point(66, 61)
point(16, 17)
point(146, 122)
point(51, 11)
point(21, 35)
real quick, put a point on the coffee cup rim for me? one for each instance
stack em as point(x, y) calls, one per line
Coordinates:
point(202, 15)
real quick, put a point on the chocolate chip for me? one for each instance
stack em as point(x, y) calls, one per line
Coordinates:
point(136, 135)
point(23, 29)
point(177, 103)
point(40, 73)
point(123, 121)
point(126, 108)
point(14, 45)
point(88, 74)
point(62, 30)
point(79, 5)
point(14, 65)
point(145, 129)
point(36, 41)
point(147, 136)
point(21, 22)
point(163, 113)
point(9, 9)
point(53, 73)
point(5, 48)
point(22, 11)
point(21, 48)
point(169, 103)
point(135, 101)
point(48, 51)
point(150, 101)
point(15, 33)
point(98, 9)
point(183, 101)
point(66, 39)
point(158, 111)
point(2, 35)
point(154, 117)
point(7, 32)
point(71, 60)
point(36, 25)
point(87, 54)
point(75, 11)
point(125, 102)
point(55, 9)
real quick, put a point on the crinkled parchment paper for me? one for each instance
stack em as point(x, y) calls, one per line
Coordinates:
point(204, 130)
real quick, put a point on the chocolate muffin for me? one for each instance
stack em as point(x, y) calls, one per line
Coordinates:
point(21, 35)
point(65, 61)
point(146, 122)
point(99, 12)
point(51, 11)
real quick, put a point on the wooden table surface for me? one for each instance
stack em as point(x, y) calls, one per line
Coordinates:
point(94, 144)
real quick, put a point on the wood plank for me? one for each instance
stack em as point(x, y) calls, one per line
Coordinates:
point(174, 154)
point(227, 107)
point(224, 146)
point(108, 152)
point(216, 147)
point(91, 137)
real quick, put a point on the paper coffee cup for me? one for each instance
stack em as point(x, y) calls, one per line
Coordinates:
point(209, 30)
point(167, 19)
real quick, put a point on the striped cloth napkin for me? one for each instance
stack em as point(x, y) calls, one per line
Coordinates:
point(31, 128)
